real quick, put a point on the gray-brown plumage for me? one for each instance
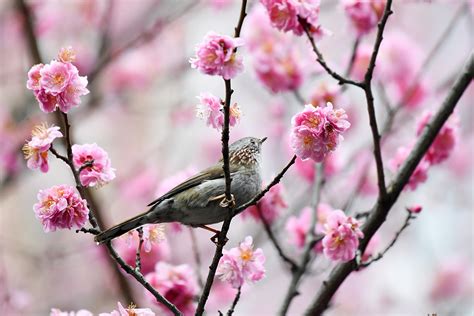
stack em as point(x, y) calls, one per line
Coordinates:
point(199, 200)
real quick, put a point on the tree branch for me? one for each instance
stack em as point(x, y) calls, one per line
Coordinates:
point(234, 303)
point(381, 208)
point(222, 237)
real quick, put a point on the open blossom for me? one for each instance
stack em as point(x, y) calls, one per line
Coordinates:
point(36, 150)
point(444, 142)
point(60, 207)
point(241, 263)
point(82, 312)
point(129, 311)
point(285, 14)
point(269, 205)
point(58, 83)
point(317, 131)
point(211, 110)
point(216, 56)
point(176, 283)
point(96, 164)
point(364, 14)
point(341, 238)
point(418, 176)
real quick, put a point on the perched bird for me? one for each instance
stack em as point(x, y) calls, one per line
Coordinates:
point(201, 200)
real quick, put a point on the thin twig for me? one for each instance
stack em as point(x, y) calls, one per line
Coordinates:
point(138, 261)
point(381, 209)
point(92, 231)
point(355, 47)
point(234, 303)
point(222, 237)
point(370, 101)
point(409, 217)
point(311, 240)
point(320, 58)
point(139, 277)
point(197, 257)
point(275, 242)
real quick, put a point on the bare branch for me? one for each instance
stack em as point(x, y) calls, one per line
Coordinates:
point(234, 303)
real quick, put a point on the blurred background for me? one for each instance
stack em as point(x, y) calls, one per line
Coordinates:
point(142, 110)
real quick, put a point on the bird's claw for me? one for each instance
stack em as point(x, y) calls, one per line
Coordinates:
point(226, 203)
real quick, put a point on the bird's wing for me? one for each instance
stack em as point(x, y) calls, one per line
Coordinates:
point(214, 172)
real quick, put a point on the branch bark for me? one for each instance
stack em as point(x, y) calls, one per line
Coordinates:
point(382, 207)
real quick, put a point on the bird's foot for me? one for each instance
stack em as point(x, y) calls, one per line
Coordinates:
point(227, 203)
point(224, 202)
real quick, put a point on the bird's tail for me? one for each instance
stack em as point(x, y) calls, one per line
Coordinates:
point(122, 228)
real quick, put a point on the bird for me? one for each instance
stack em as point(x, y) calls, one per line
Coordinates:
point(201, 200)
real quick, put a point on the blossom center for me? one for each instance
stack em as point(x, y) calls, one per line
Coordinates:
point(246, 255)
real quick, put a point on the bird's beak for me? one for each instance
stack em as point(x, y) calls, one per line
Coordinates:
point(262, 140)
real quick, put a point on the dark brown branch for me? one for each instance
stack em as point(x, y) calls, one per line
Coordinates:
point(370, 101)
point(234, 303)
point(311, 240)
point(355, 47)
point(139, 277)
point(275, 242)
point(382, 207)
point(138, 261)
point(222, 238)
point(322, 62)
point(409, 217)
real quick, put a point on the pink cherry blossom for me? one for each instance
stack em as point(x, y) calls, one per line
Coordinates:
point(241, 263)
point(96, 164)
point(216, 56)
point(445, 140)
point(341, 238)
point(210, 109)
point(176, 283)
point(34, 77)
point(152, 233)
point(317, 131)
point(420, 174)
point(363, 14)
point(285, 14)
point(36, 150)
point(269, 206)
point(298, 227)
point(82, 312)
point(47, 102)
point(60, 207)
point(56, 76)
point(129, 311)
point(71, 96)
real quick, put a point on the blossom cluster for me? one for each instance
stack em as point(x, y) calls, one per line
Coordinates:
point(288, 15)
point(241, 263)
point(341, 238)
point(176, 283)
point(278, 63)
point(269, 206)
point(36, 149)
point(216, 56)
point(363, 14)
point(438, 152)
point(120, 311)
point(94, 165)
point(57, 84)
point(60, 207)
point(210, 109)
point(316, 131)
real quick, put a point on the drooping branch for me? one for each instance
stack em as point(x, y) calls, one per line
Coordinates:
point(381, 208)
